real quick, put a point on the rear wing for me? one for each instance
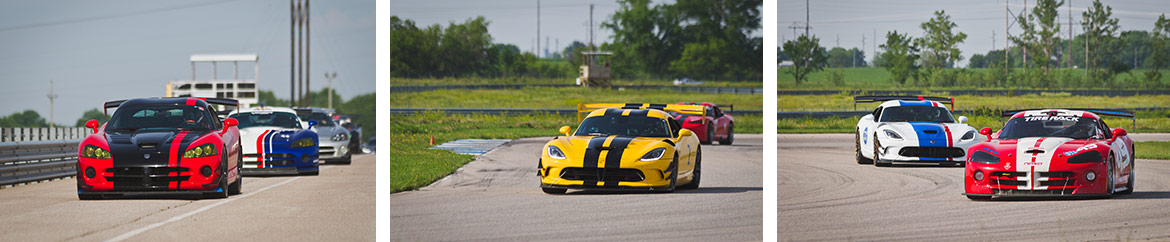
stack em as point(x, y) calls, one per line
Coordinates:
point(871, 99)
point(1099, 111)
point(218, 101)
point(678, 108)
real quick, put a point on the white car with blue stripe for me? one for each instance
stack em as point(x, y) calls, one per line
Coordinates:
point(912, 129)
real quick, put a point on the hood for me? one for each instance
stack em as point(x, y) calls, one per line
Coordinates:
point(149, 147)
point(928, 134)
point(587, 149)
point(253, 136)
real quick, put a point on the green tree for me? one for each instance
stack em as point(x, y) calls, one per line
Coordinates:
point(977, 61)
point(840, 57)
point(704, 60)
point(899, 56)
point(807, 56)
point(1099, 30)
point(365, 108)
point(26, 119)
point(1158, 45)
point(268, 98)
point(1041, 43)
point(940, 45)
point(92, 114)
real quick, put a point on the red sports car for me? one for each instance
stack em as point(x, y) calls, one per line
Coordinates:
point(1051, 152)
point(716, 125)
point(161, 145)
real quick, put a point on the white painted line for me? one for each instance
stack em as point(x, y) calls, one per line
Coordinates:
point(132, 233)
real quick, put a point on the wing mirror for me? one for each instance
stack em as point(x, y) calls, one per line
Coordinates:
point(1116, 133)
point(962, 119)
point(92, 124)
point(565, 130)
point(228, 123)
point(685, 132)
point(312, 123)
point(987, 132)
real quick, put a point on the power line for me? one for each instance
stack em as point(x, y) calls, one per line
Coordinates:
point(96, 18)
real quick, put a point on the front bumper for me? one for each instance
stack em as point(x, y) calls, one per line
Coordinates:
point(333, 150)
point(910, 150)
point(1070, 181)
point(649, 175)
point(147, 178)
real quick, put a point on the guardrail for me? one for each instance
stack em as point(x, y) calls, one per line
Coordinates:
point(701, 89)
point(496, 111)
point(1123, 93)
point(37, 134)
point(30, 161)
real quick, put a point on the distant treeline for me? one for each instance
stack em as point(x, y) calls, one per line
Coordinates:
point(700, 39)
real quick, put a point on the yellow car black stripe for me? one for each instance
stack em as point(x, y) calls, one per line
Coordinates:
point(613, 159)
point(592, 153)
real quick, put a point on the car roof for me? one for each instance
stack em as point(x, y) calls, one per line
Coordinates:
point(266, 109)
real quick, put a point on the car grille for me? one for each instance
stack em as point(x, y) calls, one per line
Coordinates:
point(602, 174)
point(932, 152)
point(145, 178)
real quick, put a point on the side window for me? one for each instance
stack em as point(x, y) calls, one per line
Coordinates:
point(1108, 133)
point(877, 113)
point(674, 126)
point(215, 123)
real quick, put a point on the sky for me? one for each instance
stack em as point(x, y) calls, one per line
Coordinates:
point(514, 21)
point(96, 51)
point(851, 19)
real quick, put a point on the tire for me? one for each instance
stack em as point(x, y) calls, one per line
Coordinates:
point(237, 187)
point(673, 175)
point(710, 135)
point(553, 190)
point(730, 135)
point(1129, 185)
point(877, 159)
point(978, 198)
point(1111, 164)
point(857, 151)
point(694, 184)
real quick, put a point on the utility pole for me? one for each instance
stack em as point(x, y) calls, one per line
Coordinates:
point(292, 51)
point(1068, 47)
point(806, 22)
point(308, 76)
point(838, 41)
point(538, 27)
point(300, 56)
point(591, 27)
point(993, 39)
point(862, 49)
point(330, 77)
point(52, 97)
point(1025, 47)
point(1006, 44)
point(875, 45)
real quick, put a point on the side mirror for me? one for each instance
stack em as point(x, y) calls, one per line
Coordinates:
point(685, 132)
point(565, 130)
point(228, 123)
point(312, 123)
point(1116, 133)
point(987, 132)
point(92, 124)
point(962, 119)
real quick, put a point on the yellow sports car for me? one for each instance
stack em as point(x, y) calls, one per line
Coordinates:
point(623, 146)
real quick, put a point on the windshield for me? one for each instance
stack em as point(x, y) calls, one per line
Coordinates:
point(277, 119)
point(916, 114)
point(624, 126)
point(1050, 126)
point(183, 117)
point(321, 118)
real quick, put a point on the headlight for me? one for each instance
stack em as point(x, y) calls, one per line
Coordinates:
point(201, 151)
point(654, 154)
point(968, 136)
point(341, 137)
point(302, 143)
point(555, 153)
point(91, 151)
point(984, 157)
point(892, 134)
point(1087, 157)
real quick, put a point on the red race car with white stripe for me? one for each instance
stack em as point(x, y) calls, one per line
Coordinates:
point(1052, 152)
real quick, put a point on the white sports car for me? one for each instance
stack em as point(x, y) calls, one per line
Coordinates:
point(276, 142)
point(912, 129)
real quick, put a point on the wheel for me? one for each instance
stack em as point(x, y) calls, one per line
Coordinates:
point(1110, 169)
point(698, 171)
point(553, 190)
point(710, 135)
point(857, 151)
point(237, 187)
point(1129, 185)
point(673, 175)
point(730, 135)
point(877, 159)
point(977, 197)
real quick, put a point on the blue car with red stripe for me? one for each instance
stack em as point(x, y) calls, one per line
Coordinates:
point(161, 145)
point(276, 143)
point(912, 129)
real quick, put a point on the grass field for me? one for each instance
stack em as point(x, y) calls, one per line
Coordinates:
point(562, 97)
point(569, 80)
point(868, 78)
point(413, 164)
point(1157, 150)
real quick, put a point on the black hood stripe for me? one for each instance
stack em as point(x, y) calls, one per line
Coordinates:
point(613, 159)
point(668, 142)
point(613, 112)
point(592, 154)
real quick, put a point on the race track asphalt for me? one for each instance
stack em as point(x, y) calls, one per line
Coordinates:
point(824, 195)
point(337, 205)
point(497, 197)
